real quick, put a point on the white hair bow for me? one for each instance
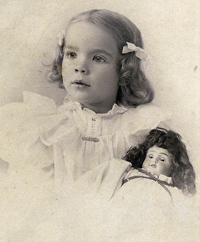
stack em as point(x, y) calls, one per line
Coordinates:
point(61, 37)
point(139, 52)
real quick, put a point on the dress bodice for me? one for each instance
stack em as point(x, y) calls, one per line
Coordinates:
point(76, 138)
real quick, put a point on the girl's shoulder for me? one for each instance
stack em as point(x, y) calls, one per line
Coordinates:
point(39, 103)
point(146, 116)
point(146, 110)
point(19, 124)
point(31, 105)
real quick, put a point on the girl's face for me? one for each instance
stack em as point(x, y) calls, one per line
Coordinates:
point(158, 161)
point(89, 68)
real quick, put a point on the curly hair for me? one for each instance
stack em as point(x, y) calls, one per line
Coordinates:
point(134, 87)
point(183, 174)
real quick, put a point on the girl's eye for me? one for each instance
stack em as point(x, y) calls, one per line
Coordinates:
point(99, 59)
point(71, 55)
point(150, 156)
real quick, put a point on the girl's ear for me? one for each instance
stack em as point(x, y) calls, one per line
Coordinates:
point(126, 70)
point(124, 82)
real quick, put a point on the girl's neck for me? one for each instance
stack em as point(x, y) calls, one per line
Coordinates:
point(98, 108)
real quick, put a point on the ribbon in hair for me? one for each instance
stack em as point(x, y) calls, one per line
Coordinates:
point(61, 37)
point(139, 52)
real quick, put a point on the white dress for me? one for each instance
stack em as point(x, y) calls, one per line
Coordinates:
point(65, 142)
point(40, 141)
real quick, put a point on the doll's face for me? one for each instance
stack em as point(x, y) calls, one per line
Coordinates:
point(158, 161)
point(90, 66)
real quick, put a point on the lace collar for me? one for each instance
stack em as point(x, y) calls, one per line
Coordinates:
point(160, 177)
point(68, 104)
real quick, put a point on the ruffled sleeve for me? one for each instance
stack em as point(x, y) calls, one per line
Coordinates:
point(138, 122)
point(19, 125)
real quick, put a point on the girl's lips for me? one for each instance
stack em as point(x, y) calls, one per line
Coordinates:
point(80, 83)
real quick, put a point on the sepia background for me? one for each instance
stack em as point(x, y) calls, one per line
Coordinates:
point(170, 31)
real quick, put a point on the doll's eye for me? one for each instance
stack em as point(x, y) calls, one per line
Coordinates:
point(71, 55)
point(150, 156)
point(99, 59)
point(162, 159)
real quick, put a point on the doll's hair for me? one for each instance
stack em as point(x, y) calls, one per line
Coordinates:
point(134, 88)
point(183, 174)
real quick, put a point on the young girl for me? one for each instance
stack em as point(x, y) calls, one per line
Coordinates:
point(99, 65)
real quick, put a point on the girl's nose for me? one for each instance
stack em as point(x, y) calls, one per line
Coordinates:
point(82, 70)
point(82, 66)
